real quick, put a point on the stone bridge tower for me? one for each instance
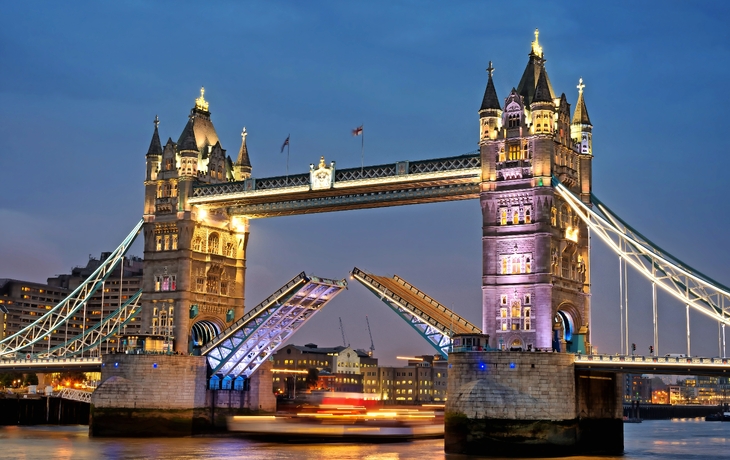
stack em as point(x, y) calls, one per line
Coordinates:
point(194, 259)
point(536, 283)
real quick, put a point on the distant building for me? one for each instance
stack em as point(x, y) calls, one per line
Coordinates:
point(26, 301)
point(340, 368)
point(422, 380)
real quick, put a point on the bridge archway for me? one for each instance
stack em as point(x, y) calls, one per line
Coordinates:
point(202, 332)
point(566, 323)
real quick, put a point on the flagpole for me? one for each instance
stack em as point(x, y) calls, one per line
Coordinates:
point(362, 152)
point(288, 144)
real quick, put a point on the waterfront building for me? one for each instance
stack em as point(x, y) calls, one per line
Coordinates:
point(422, 380)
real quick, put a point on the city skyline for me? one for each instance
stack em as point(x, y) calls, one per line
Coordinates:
point(86, 86)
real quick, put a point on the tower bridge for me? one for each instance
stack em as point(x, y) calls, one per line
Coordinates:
point(532, 175)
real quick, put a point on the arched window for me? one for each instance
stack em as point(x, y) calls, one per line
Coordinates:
point(516, 265)
point(528, 218)
point(516, 216)
point(528, 265)
point(213, 243)
point(504, 265)
point(503, 216)
point(197, 244)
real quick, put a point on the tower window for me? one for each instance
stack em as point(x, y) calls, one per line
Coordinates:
point(197, 244)
point(528, 218)
point(213, 243)
point(515, 217)
point(503, 216)
point(174, 241)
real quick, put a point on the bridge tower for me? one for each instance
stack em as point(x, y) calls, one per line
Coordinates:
point(536, 284)
point(194, 259)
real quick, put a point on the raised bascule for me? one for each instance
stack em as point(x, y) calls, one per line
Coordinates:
point(525, 383)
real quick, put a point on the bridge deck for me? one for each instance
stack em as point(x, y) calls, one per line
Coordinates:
point(432, 320)
point(401, 183)
point(654, 364)
point(87, 364)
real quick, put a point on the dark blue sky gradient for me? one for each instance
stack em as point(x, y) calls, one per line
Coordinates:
point(81, 83)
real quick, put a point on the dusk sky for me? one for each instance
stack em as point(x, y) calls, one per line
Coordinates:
point(82, 82)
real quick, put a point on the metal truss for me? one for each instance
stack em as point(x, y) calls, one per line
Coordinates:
point(471, 160)
point(378, 198)
point(65, 309)
point(75, 395)
point(433, 321)
point(93, 337)
point(245, 345)
point(696, 290)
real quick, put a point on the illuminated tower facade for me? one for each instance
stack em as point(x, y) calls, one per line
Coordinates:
point(535, 284)
point(194, 259)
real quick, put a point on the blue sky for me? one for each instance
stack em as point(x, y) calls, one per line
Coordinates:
point(81, 84)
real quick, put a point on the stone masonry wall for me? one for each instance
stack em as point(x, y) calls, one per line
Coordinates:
point(151, 382)
point(512, 385)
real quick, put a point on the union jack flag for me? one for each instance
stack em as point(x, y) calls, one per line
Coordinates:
point(357, 131)
point(286, 142)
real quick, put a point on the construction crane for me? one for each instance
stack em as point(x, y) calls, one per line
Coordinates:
point(372, 345)
point(342, 329)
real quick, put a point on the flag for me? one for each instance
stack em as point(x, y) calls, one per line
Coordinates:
point(286, 142)
point(357, 131)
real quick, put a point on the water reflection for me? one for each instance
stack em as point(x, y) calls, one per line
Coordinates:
point(649, 440)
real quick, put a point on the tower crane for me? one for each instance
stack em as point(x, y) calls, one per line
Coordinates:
point(372, 345)
point(342, 329)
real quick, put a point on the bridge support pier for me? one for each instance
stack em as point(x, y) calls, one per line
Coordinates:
point(166, 395)
point(531, 404)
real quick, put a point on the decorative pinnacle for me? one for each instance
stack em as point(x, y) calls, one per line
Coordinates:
point(244, 133)
point(490, 69)
point(201, 103)
point(536, 48)
point(156, 122)
point(580, 85)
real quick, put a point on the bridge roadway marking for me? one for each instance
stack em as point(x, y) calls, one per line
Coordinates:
point(51, 364)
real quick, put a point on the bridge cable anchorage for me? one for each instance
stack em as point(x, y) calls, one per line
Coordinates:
point(432, 320)
point(686, 284)
point(65, 309)
point(93, 337)
point(241, 348)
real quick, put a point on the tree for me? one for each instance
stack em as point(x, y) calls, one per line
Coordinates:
point(31, 379)
point(71, 377)
point(7, 378)
point(312, 378)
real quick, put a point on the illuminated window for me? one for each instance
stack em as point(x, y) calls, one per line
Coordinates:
point(516, 265)
point(197, 244)
point(158, 241)
point(503, 299)
point(501, 155)
point(516, 310)
point(213, 243)
point(514, 152)
point(174, 241)
point(504, 326)
point(516, 216)
point(503, 216)
point(502, 312)
point(504, 265)
point(528, 217)
point(166, 245)
point(528, 268)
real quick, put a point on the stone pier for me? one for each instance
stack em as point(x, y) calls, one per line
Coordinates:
point(166, 395)
point(530, 404)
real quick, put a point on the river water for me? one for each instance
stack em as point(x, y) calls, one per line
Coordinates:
point(653, 439)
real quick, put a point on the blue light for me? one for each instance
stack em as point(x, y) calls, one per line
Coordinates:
point(482, 366)
point(116, 364)
point(511, 365)
point(154, 365)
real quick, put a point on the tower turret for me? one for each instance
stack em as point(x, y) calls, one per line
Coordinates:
point(242, 168)
point(581, 130)
point(542, 106)
point(154, 154)
point(490, 113)
point(188, 149)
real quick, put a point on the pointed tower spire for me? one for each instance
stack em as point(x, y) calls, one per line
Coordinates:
point(581, 113)
point(531, 75)
point(542, 90)
point(490, 100)
point(187, 137)
point(242, 168)
point(155, 144)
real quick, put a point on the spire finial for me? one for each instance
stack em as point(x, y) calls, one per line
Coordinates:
point(201, 103)
point(536, 48)
point(156, 122)
point(244, 133)
point(490, 69)
point(580, 85)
